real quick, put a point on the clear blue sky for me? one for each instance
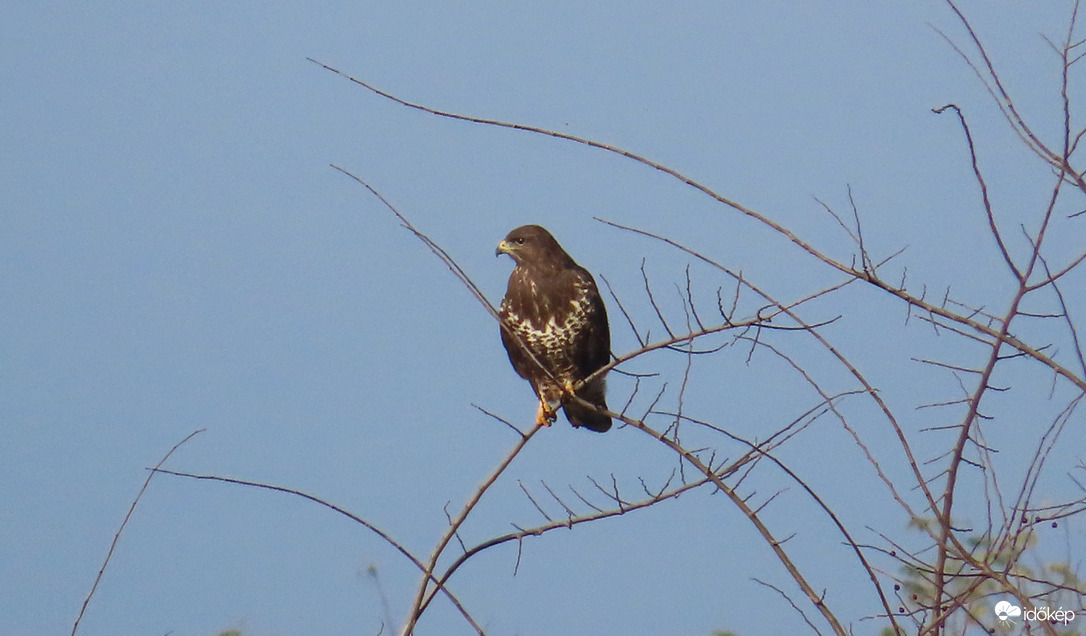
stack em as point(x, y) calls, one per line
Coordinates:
point(177, 254)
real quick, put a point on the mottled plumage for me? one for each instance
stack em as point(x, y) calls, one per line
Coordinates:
point(554, 327)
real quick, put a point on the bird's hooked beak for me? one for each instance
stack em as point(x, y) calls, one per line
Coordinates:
point(503, 248)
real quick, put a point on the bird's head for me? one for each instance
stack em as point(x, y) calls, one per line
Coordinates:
point(529, 244)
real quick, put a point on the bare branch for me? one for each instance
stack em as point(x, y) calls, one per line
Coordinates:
point(127, 516)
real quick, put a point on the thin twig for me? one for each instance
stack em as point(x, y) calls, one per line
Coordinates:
point(124, 523)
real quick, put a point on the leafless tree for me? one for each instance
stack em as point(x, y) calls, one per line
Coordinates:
point(958, 549)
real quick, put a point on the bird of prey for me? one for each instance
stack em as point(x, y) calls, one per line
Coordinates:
point(554, 328)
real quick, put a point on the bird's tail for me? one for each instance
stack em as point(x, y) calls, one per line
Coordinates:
point(580, 415)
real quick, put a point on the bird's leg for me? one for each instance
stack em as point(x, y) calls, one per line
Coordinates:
point(545, 415)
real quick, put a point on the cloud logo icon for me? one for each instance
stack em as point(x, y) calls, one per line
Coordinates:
point(1005, 611)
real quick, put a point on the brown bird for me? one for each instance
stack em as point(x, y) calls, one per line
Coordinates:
point(554, 328)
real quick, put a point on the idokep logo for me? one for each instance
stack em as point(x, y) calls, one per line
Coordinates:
point(1005, 611)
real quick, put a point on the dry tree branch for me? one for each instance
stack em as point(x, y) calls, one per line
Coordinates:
point(811, 330)
point(787, 598)
point(438, 251)
point(500, 419)
point(993, 83)
point(1009, 537)
point(840, 221)
point(535, 503)
point(1066, 313)
point(865, 258)
point(431, 565)
point(999, 96)
point(124, 523)
point(985, 198)
point(624, 507)
point(652, 301)
point(387, 538)
point(637, 335)
point(762, 451)
point(946, 539)
point(716, 477)
point(1044, 446)
point(776, 545)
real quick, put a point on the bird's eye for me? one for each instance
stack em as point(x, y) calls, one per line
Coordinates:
point(519, 241)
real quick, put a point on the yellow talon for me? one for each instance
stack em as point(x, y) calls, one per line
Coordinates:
point(544, 416)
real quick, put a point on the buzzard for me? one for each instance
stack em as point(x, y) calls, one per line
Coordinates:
point(554, 328)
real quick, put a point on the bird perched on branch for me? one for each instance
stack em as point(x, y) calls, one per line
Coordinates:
point(554, 328)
